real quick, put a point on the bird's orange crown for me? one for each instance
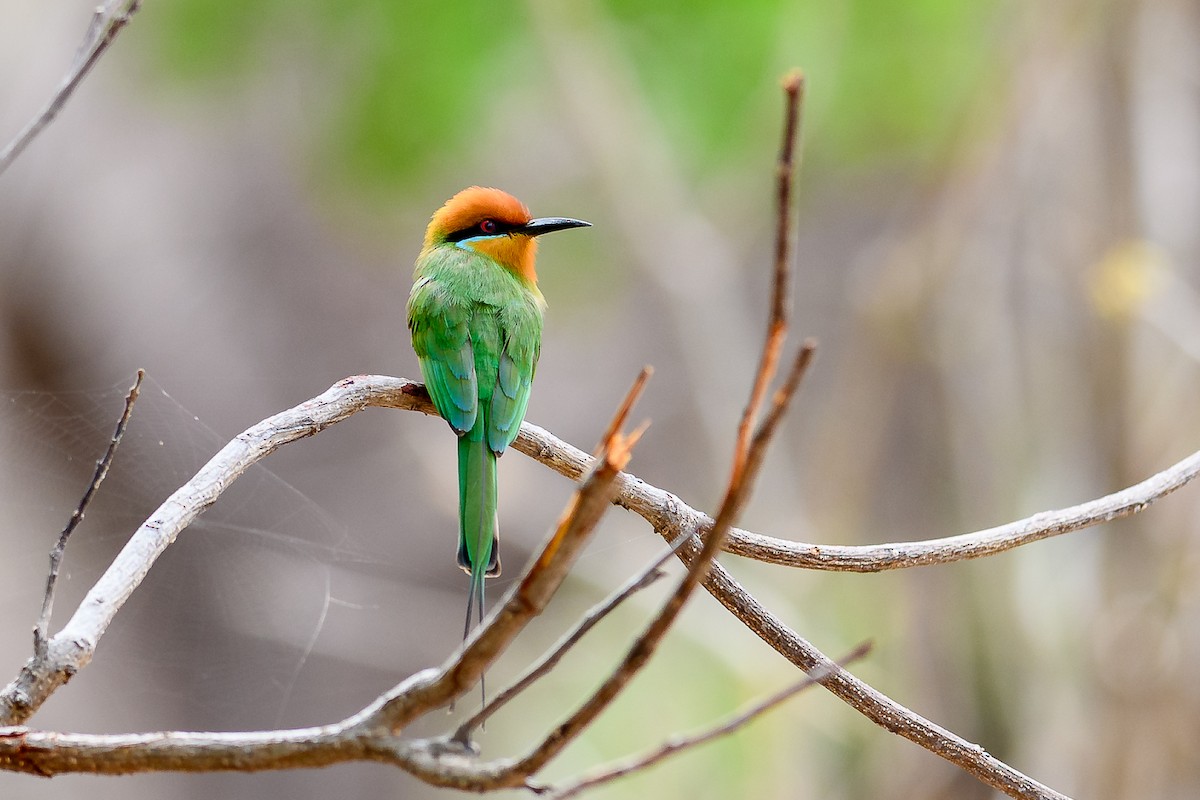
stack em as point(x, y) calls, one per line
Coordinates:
point(469, 209)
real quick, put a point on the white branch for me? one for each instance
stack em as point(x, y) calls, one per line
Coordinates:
point(71, 648)
point(667, 512)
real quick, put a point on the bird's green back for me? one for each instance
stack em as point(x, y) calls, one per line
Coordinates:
point(477, 331)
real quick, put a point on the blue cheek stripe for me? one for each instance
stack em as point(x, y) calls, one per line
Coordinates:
point(464, 243)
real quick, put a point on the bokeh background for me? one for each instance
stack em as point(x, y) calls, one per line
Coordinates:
point(997, 250)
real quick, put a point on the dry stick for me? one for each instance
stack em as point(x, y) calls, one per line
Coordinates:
point(864, 698)
point(647, 576)
point(743, 473)
point(679, 744)
point(41, 630)
point(71, 649)
point(777, 321)
point(107, 21)
point(626, 407)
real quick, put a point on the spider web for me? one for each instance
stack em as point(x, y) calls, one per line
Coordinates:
point(225, 625)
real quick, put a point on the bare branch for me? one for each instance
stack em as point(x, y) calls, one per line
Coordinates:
point(635, 584)
point(531, 593)
point(621, 416)
point(107, 21)
point(71, 649)
point(679, 744)
point(49, 753)
point(40, 631)
point(747, 460)
point(780, 306)
point(665, 511)
point(864, 698)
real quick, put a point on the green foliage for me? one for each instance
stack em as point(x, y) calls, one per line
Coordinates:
point(405, 88)
point(401, 83)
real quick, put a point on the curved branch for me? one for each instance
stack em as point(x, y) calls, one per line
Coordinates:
point(866, 699)
point(664, 510)
point(71, 649)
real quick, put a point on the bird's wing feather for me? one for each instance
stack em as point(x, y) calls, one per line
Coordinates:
point(442, 341)
point(511, 396)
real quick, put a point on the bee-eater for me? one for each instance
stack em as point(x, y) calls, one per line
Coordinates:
point(475, 314)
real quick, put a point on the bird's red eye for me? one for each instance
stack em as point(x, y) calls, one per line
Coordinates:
point(489, 226)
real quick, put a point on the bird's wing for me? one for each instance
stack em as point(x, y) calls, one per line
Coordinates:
point(441, 338)
point(518, 360)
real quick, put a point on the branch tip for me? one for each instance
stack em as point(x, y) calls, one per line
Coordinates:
point(793, 81)
point(623, 410)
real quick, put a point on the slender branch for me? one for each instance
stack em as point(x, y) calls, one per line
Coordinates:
point(107, 21)
point(864, 698)
point(666, 511)
point(621, 416)
point(40, 631)
point(780, 306)
point(749, 451)
point(49, 753)
point(71, 649)
point(635, 584)
point(679, 744)
point(529, 596)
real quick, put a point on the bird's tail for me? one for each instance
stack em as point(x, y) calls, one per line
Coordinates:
point(478, 543)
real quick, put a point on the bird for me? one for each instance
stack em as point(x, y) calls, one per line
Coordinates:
point(475, 314)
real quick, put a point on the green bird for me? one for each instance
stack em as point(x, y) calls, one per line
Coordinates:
point(475, 313)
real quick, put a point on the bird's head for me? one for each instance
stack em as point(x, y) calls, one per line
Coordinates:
point(495, 224)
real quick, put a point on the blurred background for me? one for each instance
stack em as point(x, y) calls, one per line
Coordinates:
point(997, 250)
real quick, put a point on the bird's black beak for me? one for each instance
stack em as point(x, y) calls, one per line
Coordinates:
point(536, 227)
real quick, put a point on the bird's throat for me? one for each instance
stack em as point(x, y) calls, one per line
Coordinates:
point(517, 254)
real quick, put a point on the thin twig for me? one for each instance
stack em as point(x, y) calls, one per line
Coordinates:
point(780, 306)
point(41, 629)
point(622, 413)
point(531, 593)
point(72, 648)
point(107, 21)
point(866, 699)
point(638, 655)
point(647, 576)
point(678, 744)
